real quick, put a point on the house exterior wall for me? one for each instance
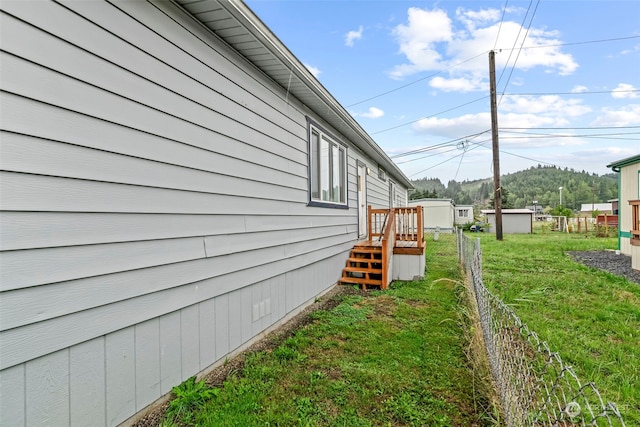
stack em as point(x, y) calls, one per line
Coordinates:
point(463, 214)
point(154, 218)
point(437, 213)
point(629, 189)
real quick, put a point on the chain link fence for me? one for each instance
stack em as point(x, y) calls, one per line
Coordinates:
point(534, 385)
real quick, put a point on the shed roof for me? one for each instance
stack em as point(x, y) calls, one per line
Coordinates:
point(624, 162)
point(508, 211)
point(236, 24)
point(431, 200)
point(589, 207)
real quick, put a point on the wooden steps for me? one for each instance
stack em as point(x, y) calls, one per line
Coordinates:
point(364, 267)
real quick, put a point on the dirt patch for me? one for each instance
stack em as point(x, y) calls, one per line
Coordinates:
point(628, 297)
point(382, 305)
point(218, 376)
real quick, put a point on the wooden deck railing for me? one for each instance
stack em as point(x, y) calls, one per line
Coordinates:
point(635, 222)
point(408, 222)
point(409, 225)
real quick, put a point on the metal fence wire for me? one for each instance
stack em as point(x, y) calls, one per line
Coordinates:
point(535, 387)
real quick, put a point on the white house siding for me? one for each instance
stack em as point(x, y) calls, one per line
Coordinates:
point(154, 208)
point(438, 213)
point(629, 182)
point(463, 214)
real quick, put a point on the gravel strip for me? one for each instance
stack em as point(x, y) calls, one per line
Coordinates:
point(620, 265)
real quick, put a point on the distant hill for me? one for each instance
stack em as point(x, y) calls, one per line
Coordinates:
point(539, 183)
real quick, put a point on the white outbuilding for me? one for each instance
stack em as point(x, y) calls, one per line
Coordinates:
point(438, 214)
point(514, 221)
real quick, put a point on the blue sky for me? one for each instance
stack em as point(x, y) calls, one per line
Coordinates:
point(415, 74)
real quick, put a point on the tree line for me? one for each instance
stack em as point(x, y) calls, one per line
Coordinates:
point(520, 189)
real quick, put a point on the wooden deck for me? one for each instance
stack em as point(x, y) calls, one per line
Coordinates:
point(403, 247)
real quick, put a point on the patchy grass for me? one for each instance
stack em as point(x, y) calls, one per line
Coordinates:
point(592, 318)
point(383, 358)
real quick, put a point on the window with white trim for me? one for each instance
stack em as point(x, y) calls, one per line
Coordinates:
point(328, 169)
point(382, 175)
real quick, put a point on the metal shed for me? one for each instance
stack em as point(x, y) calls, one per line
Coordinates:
point(514, 221)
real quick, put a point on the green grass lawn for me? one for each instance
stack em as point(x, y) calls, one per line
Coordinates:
point(384, 358)
point(398, 357)
point(591, 318)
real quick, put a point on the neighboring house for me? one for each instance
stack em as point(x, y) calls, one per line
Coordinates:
point(629, 207)
point(438, 213)
point(514, 221)
point(587, 209)
point(174, 184)
point(537, 210)
point(463, 214)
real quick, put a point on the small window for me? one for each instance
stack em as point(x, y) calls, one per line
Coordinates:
point(382, 175)
point(328, 169)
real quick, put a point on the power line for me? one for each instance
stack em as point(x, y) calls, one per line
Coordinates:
point(515, 41)
point(575, 43)
point(416, 81)
point(432, 115)
point(572, 93)
point(437, 154)
point(571, 128)
point(525, 157)
point(504, 11)
point(519, 51)
point(483, 53)
point(433, 147)
point(445, 161)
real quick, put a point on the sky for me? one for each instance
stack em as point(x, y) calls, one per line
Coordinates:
point(415, 75)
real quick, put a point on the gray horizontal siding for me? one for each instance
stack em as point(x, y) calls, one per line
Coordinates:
point(30, 230)
point(154, 192)
point(104, 380)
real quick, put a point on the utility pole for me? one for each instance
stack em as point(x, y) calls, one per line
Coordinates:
point(497, 190)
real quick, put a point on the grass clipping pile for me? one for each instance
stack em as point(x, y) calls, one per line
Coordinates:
point(216, 377)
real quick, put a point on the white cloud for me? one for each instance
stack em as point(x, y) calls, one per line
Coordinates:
point(624, 91)
point(454, 127)
point(547, 105)
point(430, 41)
point(460, 84)
point(418, 37)
point(634, 49)
point(313, 70)
point(472, 18)
point(628, 115)
point(524, 112)
point(373, 113)
point(579, 89)
point(353, 35)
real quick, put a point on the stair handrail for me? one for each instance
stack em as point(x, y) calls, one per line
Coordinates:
point(382, 228)
point(388, 242)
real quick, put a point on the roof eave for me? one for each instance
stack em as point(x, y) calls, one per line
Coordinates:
point(624, 162)
point(332, 111)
